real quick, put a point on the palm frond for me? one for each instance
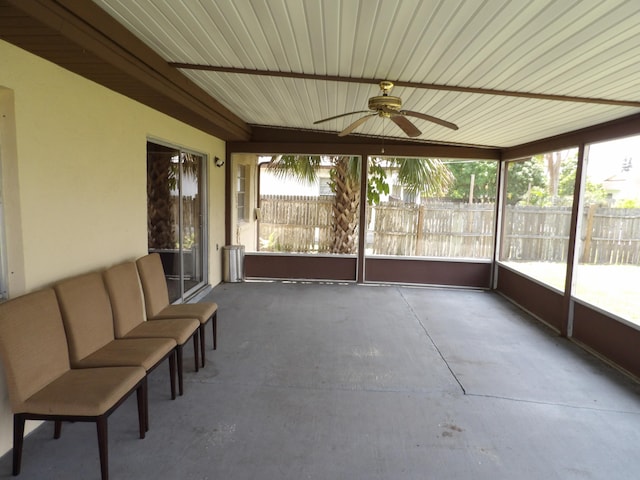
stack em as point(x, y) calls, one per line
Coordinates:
point(424, 175)
point(300, 167)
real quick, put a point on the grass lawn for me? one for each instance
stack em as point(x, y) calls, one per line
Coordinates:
point(614, 288)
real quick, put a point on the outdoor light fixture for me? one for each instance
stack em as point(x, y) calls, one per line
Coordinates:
point(218, 161)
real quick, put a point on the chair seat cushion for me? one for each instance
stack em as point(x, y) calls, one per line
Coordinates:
point(84, 392)
point(180, 329)
point(202, 311)
point(143, 352)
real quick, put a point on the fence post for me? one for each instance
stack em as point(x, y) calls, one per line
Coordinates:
point(419, 232)
point(586, 251)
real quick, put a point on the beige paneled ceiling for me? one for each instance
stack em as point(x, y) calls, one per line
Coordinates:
point(312, 50)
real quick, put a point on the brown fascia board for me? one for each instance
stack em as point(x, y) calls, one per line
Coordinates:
point(622, 127)
point(273, 140)
point(84, 39)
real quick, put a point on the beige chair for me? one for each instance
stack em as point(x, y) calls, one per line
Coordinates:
point(129, 317)
point(88, 320)
point(41, 384)
point(156, 298)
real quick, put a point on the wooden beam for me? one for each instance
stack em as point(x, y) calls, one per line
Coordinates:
point(275, 141)
point(400, 83)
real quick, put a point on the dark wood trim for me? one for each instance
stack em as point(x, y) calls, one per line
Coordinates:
point(622, 127)
point(270, 134)
point(607, 336)
point(428, 272)
point(301, 267)
point(86, 40)
point(277, 140)
point(541, 301)
point(400, 83)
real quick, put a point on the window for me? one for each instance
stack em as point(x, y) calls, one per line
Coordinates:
point(430, 207)
point(607, 272)
point(241, 193)
point(537, 215)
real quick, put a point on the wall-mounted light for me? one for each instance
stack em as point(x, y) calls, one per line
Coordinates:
point(218, 161)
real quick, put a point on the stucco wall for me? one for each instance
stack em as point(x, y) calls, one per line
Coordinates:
point(73, 159)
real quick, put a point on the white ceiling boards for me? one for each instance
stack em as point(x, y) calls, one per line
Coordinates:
point(501, 70)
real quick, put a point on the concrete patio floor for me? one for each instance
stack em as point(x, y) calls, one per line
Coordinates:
point(329, 381)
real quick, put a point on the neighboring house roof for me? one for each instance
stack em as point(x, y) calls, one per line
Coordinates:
point(625, 185)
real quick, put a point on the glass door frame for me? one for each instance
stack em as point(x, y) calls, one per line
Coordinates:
point(201, 263)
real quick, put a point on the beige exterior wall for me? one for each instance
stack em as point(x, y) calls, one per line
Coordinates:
point(73, 158)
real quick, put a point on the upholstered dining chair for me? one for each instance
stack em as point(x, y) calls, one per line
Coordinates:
point(156, 298)
point(43, 386)
point(88, 320)
point(127, 303)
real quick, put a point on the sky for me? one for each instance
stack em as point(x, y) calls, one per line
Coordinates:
point(605, 158)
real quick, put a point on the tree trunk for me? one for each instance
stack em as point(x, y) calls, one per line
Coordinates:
point(345, 208)
point(160, 225)
point(554, 162)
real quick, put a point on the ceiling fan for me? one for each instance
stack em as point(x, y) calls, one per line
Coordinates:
point(387, 106)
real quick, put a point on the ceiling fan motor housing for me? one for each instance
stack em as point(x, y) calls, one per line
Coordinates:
point(385, 101)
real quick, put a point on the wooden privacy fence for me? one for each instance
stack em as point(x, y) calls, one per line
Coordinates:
point(457, 230)
point(295, 223)
point(432, 229)
point(536, 233)
point(611, 236)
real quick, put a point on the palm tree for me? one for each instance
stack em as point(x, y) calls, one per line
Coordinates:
point(426, 176)
point(160, 202)
point(163, 175)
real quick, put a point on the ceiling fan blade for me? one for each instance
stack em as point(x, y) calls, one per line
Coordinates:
point(338, 116)
point(429, 118)
point(355, 125)
point(405, 124)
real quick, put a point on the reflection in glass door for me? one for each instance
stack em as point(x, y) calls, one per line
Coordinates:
point(175, 220)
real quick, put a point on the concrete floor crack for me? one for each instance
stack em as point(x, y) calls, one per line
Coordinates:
point(432, 341)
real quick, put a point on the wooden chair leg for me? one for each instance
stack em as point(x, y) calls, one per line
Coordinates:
point(196, 348)
point(142, 407)
point(103, 446)
point(18, 440)
point(172, 374)
point(145, 385)
point(214, 327)
point(57, 429)
point(180, 378)
point(201, 328)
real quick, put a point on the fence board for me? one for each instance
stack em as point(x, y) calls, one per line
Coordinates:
point(458, 230)
point(298, 224)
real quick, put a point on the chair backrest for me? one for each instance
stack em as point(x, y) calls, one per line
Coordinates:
point(125, 293)
point(33, 344)
point(154, 283)
point(86, 313)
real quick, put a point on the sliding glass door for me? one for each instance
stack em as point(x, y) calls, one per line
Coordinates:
point(176, 216)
